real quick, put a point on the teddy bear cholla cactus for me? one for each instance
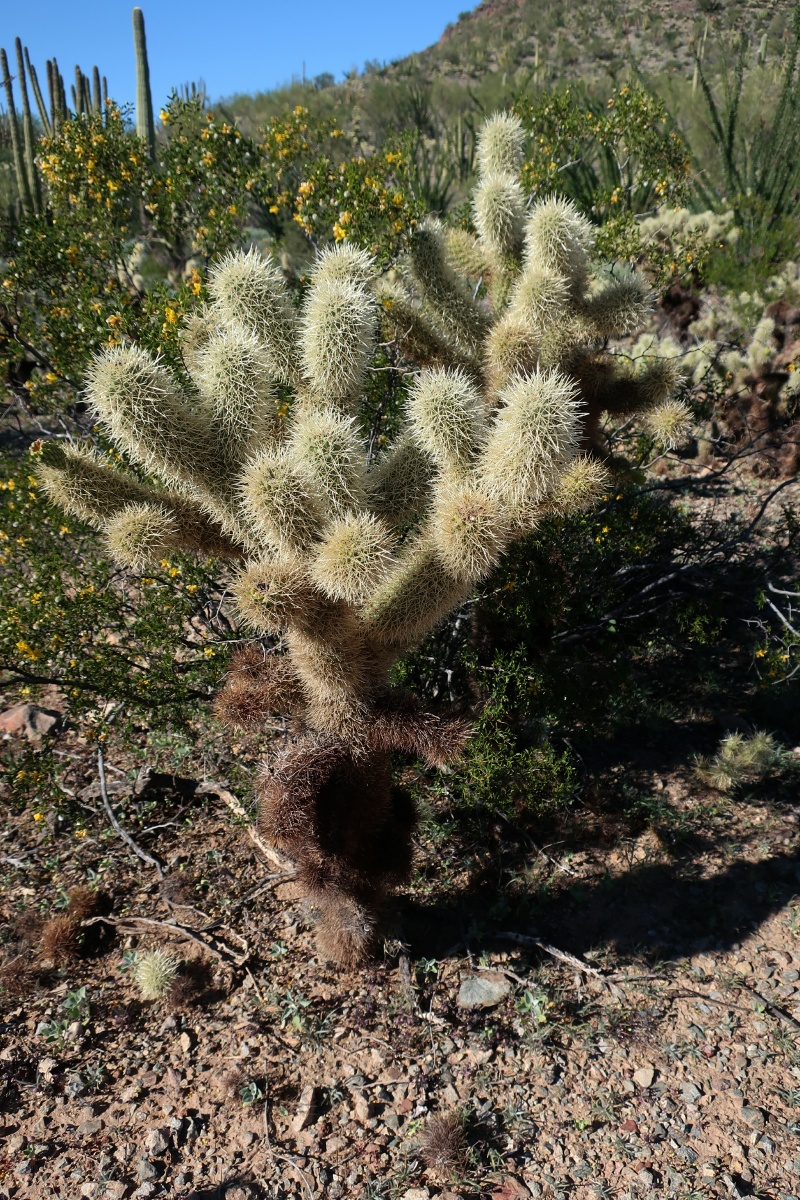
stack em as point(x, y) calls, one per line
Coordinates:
point(345, 562)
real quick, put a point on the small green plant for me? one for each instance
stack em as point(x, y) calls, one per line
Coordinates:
point(534, 1005)
point(76, 1006)
point(155, 974)
point(250, 1093)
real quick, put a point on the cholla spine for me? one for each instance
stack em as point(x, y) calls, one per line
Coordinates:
point(348, 558)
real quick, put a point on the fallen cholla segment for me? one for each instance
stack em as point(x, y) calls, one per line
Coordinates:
point(347, 559)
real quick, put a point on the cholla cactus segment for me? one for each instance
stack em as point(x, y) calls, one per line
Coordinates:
point(620, 307)
point(669, 423)
point(415, 333)
point(540, 297)
point(400, 486)
point(249, 290)
point(148, 417)
point(155, 973)
point(582, 485)
point(278, 501)
point(258, 685)
point(328, 451)
point(559, 239)
point(468, 255)
point(274, 593)
point(499, 209)
point(354, 557)
point(446, 297)
point(415, 597)
point(501, 144)
point(78, 479)
point(656, 381)
point(141, 534)
point(344, 263)
point(232, 372)
point(338, 337)
point(470, 530)
point(513, 347)
point(198, 328)
point(536, 434)
point(448, 417)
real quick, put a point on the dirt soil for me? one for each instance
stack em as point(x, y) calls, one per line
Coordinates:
point(647, 1043)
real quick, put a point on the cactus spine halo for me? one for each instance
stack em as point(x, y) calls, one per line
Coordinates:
point(249, 290)
point(348, 549)
point(560, 239)
point(501, 144)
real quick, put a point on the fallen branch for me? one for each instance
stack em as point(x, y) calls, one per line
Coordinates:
point(133, 924)
point(208, 787)
point(126, 837)
point(524, 940)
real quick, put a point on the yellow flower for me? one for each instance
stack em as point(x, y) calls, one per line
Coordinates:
point(209, 652)
point(191, 587)
point(38, 816)
point(163, 116)
point(760, 653)
point(80, 833)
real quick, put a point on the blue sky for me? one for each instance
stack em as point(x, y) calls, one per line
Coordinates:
point(248, 46)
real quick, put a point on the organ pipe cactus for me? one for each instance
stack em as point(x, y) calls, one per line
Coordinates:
point(344, 562)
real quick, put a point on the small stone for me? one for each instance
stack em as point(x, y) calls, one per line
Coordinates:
point(753, 1117)
point(690, 1092)
point(416, 1194)
point(239, 1191)
point(14, 1144)
point(155, 1143)
point(24, 1168)
point(46, 1067)
point(362, 1106)
point(186, 1043)
point(482, 991)
point(646, 1177)
point(115, 1190)
point(91, 1127)
point(306, 1109)
point(644, 1077)
point(146, 1170)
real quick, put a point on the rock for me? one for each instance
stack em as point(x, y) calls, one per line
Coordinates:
point(753, 1117)
point(115, 1190)
point(155, 1143)
point(91, 1127)
point(482, 991)
point(644, 1077)
point(146, 1170)
point(239, 1191)
point(416, 1194)
point(305, 1113)
point(14, 1144)
point(46, 1067)
point(646, 1177)
point(29, 720)
point(186, 1043)
point(362, 1106)
point(690, 1092)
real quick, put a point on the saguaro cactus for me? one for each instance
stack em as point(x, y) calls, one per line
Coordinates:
point(344, 562)
point(145, 125)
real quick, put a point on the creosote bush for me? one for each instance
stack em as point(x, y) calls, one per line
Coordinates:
point(345, 558)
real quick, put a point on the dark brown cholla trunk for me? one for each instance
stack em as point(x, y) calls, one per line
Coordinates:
point(337, 814)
